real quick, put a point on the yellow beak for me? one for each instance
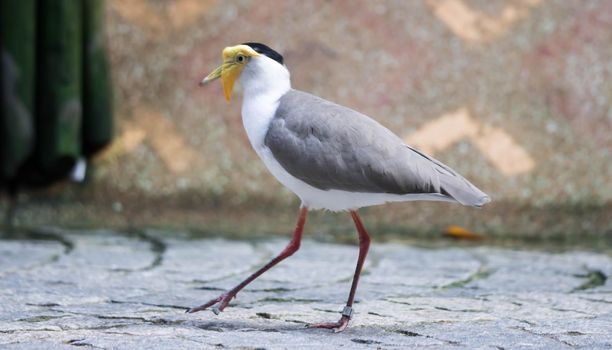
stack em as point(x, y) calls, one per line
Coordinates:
point(234, 59)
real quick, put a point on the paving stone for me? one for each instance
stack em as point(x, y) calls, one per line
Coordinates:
point(126, 290)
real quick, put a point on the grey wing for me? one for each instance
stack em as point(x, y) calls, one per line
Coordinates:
point(332, 147)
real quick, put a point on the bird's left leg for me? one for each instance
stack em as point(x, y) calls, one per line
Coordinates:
point(223, 300)
point(347, 312)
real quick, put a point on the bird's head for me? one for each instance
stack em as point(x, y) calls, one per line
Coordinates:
point(235, 60)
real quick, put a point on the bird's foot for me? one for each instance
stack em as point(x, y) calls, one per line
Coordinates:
point(221, 303)
point(336, 326)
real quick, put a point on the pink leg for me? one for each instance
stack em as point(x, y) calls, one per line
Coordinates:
point(223, 300)
point(364, 245)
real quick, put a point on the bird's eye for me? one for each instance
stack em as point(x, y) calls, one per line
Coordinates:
point(240, 58)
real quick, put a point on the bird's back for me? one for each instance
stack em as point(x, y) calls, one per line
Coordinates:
point(329, 146)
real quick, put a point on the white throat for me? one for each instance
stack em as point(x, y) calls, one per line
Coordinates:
point(264, 82)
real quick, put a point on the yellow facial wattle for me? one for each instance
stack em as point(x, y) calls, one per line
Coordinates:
point(234, 60)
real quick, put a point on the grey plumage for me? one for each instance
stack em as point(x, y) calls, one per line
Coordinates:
point(329, 146)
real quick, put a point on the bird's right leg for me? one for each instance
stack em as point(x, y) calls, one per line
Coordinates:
point(223, 300)
point(347, 312)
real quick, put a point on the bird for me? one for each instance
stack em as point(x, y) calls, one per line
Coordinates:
point(332, 157)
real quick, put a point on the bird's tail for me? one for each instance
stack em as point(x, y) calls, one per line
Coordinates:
point(463, 191)
point(456, 186)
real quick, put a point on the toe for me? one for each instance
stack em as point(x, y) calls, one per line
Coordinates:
point(341, 327)
point(194, 309)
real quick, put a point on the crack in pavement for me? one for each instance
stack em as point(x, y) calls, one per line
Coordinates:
point(483, 272)
point(595, 278)
point(544, 335)
point(414, 334)
point(570, 310)
point(39, 234)
point(289, 300)
point(41, 318)
point(156, 321)
point(597, 300)
point(27, 236)
point(61, 329)
point(157, 246)
point(36, 234)
point(81, 342)
point(170, 306)
point(365, 341)
point(210, 288)
point(523, 321)
point(43, 304)
point(480, 274)
point(457, 310)
point(408, 333)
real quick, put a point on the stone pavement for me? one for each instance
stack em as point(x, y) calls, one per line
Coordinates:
point(106, 289)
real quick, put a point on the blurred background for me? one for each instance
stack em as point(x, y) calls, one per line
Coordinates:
point(103, 123)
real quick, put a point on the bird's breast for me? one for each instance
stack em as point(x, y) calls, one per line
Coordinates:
point(257, 114)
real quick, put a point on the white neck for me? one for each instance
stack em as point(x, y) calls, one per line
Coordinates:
point(263, 75)
point(264, 82)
